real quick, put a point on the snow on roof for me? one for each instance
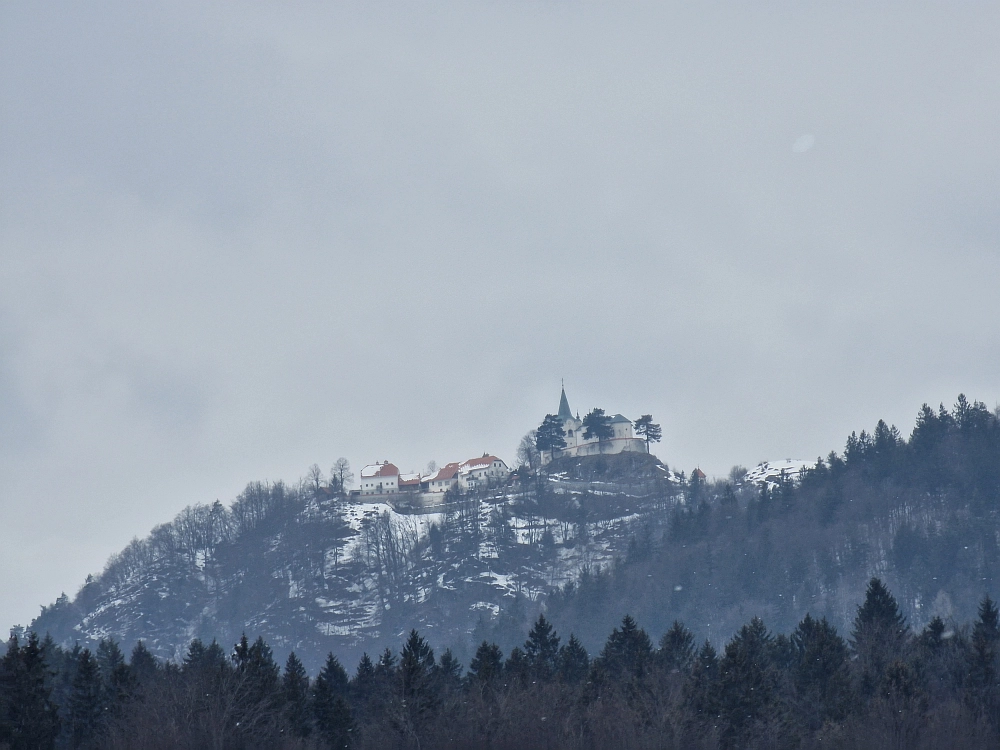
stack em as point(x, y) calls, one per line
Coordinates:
point(619, 418)
point(409, 479)
point(384, 469)
point(448, 471)
point(481, 461)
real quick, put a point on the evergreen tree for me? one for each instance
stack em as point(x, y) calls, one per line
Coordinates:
point(261, 672)
point(701, 690)
point(334, 722)
point(821, 672)
point(676, 648)
point(487, 664)
point(628, 650)
point(984, 662)
point(550, 435)
point(648, 430)
point(574, 661)
point(295, 696)
point(748, 684)
point(116, 678)
point(449, 672)
point(386, 666)
point(85, 702)
point(416, 675)
point(516, 668)
point(597, 424)
point(28, 718)
point(142, 664)
point(542, 649)
point(879, 637)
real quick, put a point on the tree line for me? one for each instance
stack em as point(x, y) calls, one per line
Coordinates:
point(885, 686)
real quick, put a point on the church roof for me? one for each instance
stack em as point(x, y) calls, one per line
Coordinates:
point(564, 411)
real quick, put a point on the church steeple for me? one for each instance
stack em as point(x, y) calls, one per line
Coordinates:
point(564, 410)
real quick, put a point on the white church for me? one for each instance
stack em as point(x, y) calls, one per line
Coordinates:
point(624, 439)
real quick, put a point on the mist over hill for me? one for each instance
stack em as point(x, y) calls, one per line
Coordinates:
point(585, 539)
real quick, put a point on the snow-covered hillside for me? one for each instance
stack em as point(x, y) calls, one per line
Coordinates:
point(314, 572)
point(774, 472)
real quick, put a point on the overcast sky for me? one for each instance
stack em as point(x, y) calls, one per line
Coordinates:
point(238, 239)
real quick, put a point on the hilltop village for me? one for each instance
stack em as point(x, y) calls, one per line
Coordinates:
point(615, 436)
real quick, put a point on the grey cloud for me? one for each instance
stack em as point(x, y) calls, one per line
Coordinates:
point(233, 243)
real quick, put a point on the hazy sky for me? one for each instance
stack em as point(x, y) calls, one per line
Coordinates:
point(240, 238)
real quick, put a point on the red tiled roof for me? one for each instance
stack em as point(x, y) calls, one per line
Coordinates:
point(472, 463)
point(448, 471)
point(385, 469)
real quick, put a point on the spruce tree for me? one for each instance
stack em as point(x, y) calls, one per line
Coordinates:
point(821, 672)
point(116, 678)
point(28, 718)
point(542, 649)
point(676, 648)
point(487, 664)
point(334, 723)
point(365, 680)
point(295, 696)
point(416, 678)
point(748, 684)
point(879, 637)
point(448, 673)
point(574, 661)
point(983, 686)
point(85, 705)
point(701, 696)
point(142, 664)
point(627, 650)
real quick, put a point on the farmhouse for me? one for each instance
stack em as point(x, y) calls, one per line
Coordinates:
point(380, 479)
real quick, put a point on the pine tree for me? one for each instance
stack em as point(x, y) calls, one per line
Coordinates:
point(365, 680)
point(628, 650)
point(983, 686)
point(416, 676)
point(85, 702)
point(516, 669)
point(748, 684)
point(334, 722)
point(821, 672)
point(542, 649)
point(28, 718)
point(597, 424)
point(676, 648)
point(142, 664)
point(487, 664)
point(701, 694)
point(880, 635)
point(648, 430)
point(386, 666)
point(550, 435)
point(574, 661)
point(262, 673)
point(116, 678)
point(295, 696)
point(449, 672)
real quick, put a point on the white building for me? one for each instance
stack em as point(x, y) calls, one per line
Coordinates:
point(622, 441)
point(441, 480)
point(479, 472)
point(476, 472)
point(380, 479)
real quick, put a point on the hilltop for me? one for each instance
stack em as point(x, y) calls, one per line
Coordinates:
point(586, 539)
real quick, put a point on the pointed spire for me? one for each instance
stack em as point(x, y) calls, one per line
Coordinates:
point(564, 410)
